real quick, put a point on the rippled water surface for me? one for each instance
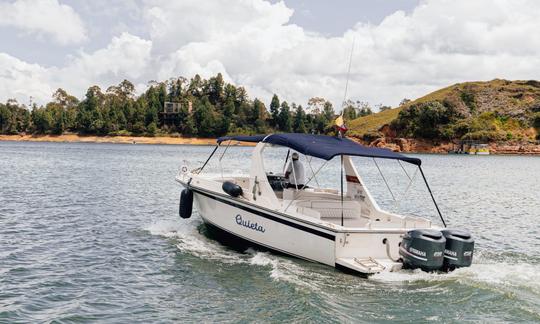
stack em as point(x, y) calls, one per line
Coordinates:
point(90, 232)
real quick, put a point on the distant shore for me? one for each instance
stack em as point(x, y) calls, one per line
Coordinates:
point(405, 145)
point(397, 145)
point(74, 138)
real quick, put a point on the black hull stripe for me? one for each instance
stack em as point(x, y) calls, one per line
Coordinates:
point(270, 217)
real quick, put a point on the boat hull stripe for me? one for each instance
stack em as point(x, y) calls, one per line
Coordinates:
point(268, 216)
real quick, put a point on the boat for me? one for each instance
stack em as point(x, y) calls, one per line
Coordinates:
point(479, 149)
point(344, 228)
point(471, 148)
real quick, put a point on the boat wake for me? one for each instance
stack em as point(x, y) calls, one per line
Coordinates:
point(519, 280)
point(189, 239)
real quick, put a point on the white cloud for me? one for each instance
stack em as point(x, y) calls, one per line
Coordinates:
point(18, 79)
point(406, 55)
point(125, 57)
point(252, 43)
point(45, 18)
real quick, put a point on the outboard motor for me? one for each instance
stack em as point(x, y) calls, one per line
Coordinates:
point(459, 249)
point(423, 248)
point(232, 189)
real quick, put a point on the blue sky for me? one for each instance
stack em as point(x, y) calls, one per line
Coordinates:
point(296, 48)
point(333, 18)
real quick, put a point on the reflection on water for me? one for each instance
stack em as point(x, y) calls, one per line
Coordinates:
point(90, 232)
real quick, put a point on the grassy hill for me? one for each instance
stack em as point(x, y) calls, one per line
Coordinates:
point(507, 108)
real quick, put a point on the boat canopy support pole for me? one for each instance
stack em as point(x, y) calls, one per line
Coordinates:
point(221, 157)
point(312, 171)
point(411, 180)
point(341, 178)
point(406, 173)
point(286, 160)
point(384, 179)
point(205, 163)
point(431, 194)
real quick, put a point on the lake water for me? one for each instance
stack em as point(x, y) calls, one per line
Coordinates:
point(90, 232)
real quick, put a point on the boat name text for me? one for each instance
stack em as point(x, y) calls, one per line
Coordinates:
point(249, 224)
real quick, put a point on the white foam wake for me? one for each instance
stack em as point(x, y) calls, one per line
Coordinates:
point(504, 277)
point(189, 240)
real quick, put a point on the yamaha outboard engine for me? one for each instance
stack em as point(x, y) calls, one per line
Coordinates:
point(423, 248)
point(459, 249)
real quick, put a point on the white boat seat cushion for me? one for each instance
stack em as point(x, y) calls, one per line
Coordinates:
point(332, 208)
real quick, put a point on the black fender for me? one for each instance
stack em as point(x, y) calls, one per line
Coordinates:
point(186, 203)
point(232, 189)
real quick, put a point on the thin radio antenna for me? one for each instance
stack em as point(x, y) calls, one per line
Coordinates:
point(348, 74)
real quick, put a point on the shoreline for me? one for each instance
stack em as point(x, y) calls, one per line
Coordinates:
point(74, 138)
point(397, 145)
point(407, 145)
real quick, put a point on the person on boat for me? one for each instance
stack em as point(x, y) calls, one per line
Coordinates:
point(294, 173)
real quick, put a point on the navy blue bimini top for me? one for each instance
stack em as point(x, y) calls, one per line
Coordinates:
point(322, 146)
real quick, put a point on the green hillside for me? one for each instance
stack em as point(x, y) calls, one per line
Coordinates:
point(492, 110)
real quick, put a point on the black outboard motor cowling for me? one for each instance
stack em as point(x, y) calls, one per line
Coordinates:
point(423, 248)
point(459, 249)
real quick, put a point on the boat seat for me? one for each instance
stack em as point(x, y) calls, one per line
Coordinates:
point(309, 194)
point(332, 208)
point(336, 213)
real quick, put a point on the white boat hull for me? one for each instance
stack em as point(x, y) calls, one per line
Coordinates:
point(267, 229)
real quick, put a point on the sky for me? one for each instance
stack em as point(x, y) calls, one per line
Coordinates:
point(298, 49)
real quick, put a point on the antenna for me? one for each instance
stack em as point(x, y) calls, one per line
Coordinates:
point(348, 74)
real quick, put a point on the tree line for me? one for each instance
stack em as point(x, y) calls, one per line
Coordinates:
point(208, 108)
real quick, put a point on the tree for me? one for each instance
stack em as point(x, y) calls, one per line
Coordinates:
point(5, 119)
point(42, 120)
point(355, 109)
point(536, 124)
point(204, 117)
point(154, 105)
point(196, 86)
point(64, 99)
point(284, 118)
point(328, 111)
point(299, 120)
point(404, 101)
point(214, 90)
point(274, 111)
point(89, 116)
point(425, 120)
point(316, 105)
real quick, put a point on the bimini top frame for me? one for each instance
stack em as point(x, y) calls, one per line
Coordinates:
point(322, 146)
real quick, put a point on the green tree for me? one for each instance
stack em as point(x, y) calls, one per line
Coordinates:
point(284, 118)
point(425, 120)
point(42, 120)
point(204, 117)
point(299, 124)
point(214, 90)
point(5, 119)
point(274, 111)
point(89, 115)
point(536, 124)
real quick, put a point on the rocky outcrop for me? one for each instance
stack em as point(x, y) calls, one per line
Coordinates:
point(408, 145)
